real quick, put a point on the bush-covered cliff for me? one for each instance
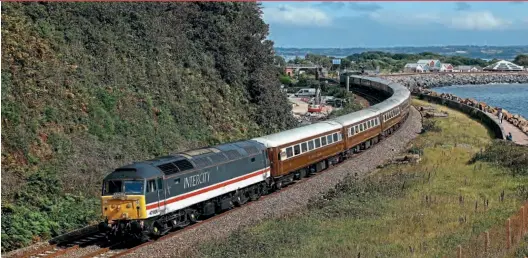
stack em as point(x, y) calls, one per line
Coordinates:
point(87, 87)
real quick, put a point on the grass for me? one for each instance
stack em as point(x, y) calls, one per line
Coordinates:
point(421, 210)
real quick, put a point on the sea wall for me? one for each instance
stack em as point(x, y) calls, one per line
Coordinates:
point(432, 80)
point(419, 84)
point(467, 108)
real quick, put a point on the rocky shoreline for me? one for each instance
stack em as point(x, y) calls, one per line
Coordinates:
point(448, 79)
point(421, 83)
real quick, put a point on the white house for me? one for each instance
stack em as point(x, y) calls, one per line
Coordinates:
point(413, 68)
point(446, 68)
point(503, 65)
point(434, 65)
point(466, 69)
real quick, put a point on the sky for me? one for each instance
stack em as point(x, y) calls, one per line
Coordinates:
point(390, 24)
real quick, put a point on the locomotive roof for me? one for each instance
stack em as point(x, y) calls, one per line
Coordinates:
point(299, 133)
point(189, 160)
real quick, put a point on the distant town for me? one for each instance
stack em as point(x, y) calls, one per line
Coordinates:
point(487, 53)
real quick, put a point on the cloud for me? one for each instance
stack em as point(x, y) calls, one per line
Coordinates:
point(477, 21)
point(370, 7)
point(463, 20)
point(331, 5)
point(462, 6)
point(303, 16)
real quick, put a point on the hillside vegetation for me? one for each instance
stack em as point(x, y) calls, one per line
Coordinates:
point(88, 87)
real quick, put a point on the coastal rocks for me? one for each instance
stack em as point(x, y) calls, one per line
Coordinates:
point(432, 80)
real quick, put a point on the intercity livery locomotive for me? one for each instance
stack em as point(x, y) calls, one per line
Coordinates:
point(149, 198)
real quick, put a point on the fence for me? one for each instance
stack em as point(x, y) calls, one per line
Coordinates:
point(498, 241)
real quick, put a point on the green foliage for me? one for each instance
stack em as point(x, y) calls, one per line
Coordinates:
point(285, 79)
point(430, 125)
point(521, 60)
point(88, 87)
point(506, 154)
point(395, 62)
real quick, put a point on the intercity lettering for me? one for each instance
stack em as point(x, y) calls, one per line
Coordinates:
point(196, 180)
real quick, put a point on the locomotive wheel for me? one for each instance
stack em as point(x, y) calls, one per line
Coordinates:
point(241, 199)
point(278, 185)
point(255, 193)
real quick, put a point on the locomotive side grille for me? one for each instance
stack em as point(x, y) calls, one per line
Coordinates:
point(183, 165)
point(251, 150)
point(218, 158)
point(169, 168)
point(202, 162)
point(233, 154)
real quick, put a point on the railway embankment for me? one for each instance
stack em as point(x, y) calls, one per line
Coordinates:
point(454, 194)
point(292, 200)
point(448, 79)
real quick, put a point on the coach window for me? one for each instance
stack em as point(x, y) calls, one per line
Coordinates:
point(310, 145)
point(336, 138)
point(317, 143)
point(323, 141)
point(329, 139)
point(361, 127)
point(296, 149)
point(304, 147)
point(289, 152)
point(356, 128)
point(151, 186)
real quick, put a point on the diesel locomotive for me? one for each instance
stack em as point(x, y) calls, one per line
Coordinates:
point(149, 198)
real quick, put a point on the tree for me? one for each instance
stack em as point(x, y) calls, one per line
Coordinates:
point(279, 61)
point(521, 60)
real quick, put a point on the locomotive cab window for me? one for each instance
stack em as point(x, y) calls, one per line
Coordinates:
point(127, 186)
point(160, 184)
point(151, 186)
point(335, 137)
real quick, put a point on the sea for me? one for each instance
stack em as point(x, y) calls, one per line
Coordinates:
point(512, 97)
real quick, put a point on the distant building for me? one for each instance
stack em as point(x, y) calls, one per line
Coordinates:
point(433, 65)
point(503, 65)
point(446, 68)
point(466, 69)
point(413, 68)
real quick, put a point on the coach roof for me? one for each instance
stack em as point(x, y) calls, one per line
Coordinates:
point(296, 134)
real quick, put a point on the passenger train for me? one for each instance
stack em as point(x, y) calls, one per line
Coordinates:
point(149, 198)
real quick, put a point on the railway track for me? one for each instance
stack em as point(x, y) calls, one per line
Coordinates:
point(119, 251)
point(63, 248)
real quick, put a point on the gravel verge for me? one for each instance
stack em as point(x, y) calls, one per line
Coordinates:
point(290, 199)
